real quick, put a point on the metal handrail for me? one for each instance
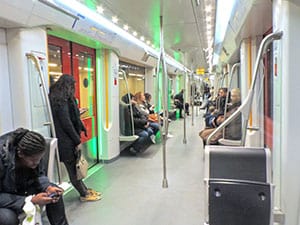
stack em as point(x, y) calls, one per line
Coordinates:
point(246, 106)
point(233, 68)
point(129, 98)
point(37, 64)
point(223, 78)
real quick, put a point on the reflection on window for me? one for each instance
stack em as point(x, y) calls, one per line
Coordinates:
point(55, 63)
point(86, 82)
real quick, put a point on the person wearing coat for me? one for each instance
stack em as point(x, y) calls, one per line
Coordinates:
point(68, 127)
point(141, 126)
point(233, 130)
point(23, 181)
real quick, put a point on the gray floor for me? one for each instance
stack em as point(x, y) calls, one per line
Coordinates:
point(132, 186)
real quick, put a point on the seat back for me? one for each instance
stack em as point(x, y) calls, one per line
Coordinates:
point(239, 203)
point(238, 163)
point(125, 120)
point(238, 186)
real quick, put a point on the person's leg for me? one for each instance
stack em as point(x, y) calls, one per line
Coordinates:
point(8, 217)
point(86, 194)
point(154, 126)
point(78, 184)
point(56, 213)
point(143, 136)
point(187, 106)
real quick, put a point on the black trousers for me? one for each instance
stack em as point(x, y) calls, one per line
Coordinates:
point(55, 212)
point(78, 184)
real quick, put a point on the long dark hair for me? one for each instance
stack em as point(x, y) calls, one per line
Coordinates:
point(62, 90)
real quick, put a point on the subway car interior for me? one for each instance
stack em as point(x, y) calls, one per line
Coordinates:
point(208, 77)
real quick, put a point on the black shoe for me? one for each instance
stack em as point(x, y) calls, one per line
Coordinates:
point(132, 151)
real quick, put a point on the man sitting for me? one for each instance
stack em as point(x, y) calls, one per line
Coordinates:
point(233, 129)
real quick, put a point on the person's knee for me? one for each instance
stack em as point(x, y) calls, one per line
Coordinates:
point(8, 217)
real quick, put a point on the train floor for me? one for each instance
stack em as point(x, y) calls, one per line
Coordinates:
point(131, 186)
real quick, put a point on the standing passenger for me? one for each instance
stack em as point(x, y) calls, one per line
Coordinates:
point(68, 127)
point(23, 181)
point(179, 102)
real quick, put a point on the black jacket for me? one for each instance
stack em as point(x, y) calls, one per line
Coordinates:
point(68, 127)
point(139, 120)
point(10, 197)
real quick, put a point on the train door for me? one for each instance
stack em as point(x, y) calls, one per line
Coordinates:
point(66, 57)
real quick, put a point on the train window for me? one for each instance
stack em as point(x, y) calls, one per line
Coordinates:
point(135, 76)
point(55, 63)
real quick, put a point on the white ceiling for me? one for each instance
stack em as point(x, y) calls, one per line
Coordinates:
point(183, 25)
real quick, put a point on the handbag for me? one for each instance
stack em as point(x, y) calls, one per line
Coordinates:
point(153, 117)
point(81, 166)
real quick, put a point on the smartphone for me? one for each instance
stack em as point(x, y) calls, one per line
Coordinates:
point(53, 195)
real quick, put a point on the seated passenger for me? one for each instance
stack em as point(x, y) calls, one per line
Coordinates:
point(148, 104)
point(233, 129)
point(23, 181)
point(218, 105)
point(219, 101)
point(140, 105)
point(141, 127)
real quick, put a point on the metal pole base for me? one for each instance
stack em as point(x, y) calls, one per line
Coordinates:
point(184, 141)
point(165, 183)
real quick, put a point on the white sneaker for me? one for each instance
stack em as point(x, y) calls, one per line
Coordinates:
point(152, 137)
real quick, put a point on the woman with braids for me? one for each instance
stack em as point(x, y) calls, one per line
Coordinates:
point(23, 181)
point(68, 127)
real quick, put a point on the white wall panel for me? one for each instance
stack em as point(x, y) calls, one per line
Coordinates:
point(6, 120)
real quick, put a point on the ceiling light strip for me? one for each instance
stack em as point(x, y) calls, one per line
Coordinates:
point(80, 9)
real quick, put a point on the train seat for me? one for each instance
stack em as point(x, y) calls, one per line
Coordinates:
point(229, 142)
point(238, 185)
point(127, 137)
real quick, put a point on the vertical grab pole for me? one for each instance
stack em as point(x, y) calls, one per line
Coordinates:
point(164, 129)
point(129, 99)
point(193, 96)
point(184, 97)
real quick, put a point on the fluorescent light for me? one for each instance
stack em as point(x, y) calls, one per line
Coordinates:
point(126, 27)
point(115, 19)
point(100, 9)
point(224, 11)
point(78, 8)
point(55, 73)
point(136, 75)
point(88, 69)
point(52, 64)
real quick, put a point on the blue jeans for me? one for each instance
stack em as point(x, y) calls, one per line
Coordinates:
point(154, 126)
point(144, 139)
